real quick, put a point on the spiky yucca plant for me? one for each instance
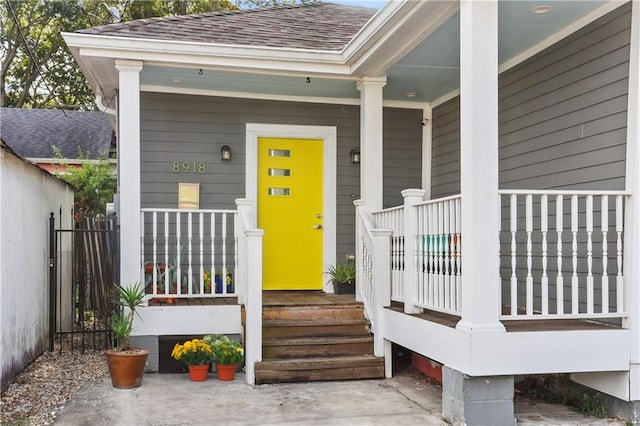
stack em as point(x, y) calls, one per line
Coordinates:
point(130, 297)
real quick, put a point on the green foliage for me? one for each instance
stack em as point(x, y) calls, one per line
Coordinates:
point(94, 182)
point(37, 69)
point(591, 406)
point(342, 272)
point(225, 350)
point(130, 297)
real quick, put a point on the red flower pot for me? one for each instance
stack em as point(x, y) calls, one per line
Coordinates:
point(198, 373)
point(226, 372)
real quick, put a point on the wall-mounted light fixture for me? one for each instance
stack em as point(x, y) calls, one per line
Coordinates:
point(225, 153)
point(355, 156)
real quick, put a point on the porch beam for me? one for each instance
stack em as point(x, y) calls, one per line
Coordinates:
point(129, 169)
point(371, 144)
point(479, 166)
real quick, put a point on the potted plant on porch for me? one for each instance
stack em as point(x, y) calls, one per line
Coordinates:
point(126, 363)
point(197, 354)
point(227, 354)
point(343, 277)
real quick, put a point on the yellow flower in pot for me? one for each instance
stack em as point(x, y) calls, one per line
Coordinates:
point(197, 355)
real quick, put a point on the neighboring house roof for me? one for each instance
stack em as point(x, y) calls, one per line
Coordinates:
point(31, 133)
point(318, 26)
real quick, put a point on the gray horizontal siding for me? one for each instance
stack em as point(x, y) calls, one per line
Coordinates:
point(194, 128)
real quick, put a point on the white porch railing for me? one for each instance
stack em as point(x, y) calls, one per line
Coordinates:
point(250, 283)
point(372, 271)
point(562, 252)
point(426, 252)
point(188, 253)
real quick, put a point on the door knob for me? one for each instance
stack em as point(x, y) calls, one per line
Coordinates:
point(318, 226)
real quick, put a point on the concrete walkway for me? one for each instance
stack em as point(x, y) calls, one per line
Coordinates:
point(171, 399)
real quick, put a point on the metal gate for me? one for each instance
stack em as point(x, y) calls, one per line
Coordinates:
point(83, 270)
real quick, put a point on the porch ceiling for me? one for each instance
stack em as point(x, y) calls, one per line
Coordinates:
point(427, 73)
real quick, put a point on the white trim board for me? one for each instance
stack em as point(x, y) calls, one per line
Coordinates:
point(329, 136)
point(270, 97)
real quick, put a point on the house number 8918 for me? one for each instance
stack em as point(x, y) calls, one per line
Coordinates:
point(186, 167)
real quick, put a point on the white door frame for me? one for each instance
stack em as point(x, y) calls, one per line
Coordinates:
point(329, 136)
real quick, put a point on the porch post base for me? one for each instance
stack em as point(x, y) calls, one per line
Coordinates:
point(470, 400)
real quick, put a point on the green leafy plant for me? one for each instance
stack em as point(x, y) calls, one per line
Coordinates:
point(193, 352)
point(342, 273)
point(225, 350)
point(129, 297)
point(94, 181)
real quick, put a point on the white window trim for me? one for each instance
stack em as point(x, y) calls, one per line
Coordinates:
point(329, 136)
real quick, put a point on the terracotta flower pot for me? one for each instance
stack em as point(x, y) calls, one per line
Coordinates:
point(126, 368)
point(226, 372)
point(198, 373)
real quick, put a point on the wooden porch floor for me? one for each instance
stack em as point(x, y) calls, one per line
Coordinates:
point(515, 326)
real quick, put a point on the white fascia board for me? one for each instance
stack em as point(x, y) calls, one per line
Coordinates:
point(180, 52)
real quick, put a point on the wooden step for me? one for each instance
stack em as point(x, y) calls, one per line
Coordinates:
point(353, 310)
point(315, 328)
point(317, 369)
point(312, 347)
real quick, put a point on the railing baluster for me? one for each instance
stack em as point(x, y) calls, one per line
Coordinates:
point(544, 291)
point(447, 255)
point(223, 278)
point(201, 235)
point(574, 255)
point(190, 254)
point(589, 213)
point(604, 222)
point(440, 245)
point(213, 253)
point(458, 254)
point(559, 279)
point(178, 255)
point(514, 277)
point(619, 276)
point(529, 231)
point(166, 274)
point(154, 270)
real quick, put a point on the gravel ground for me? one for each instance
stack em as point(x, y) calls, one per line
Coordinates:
point(44, 387)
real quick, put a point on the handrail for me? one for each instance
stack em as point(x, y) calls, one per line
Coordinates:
point(250, 253)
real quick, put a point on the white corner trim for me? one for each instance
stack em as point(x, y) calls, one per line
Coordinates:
point(329, 136)
point(554, 38)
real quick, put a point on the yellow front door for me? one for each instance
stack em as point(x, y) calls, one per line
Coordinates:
point(290, 212)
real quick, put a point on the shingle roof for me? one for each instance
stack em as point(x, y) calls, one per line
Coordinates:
point(317, 26)
point(31, 133)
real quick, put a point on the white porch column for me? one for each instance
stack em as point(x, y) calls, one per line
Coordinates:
point(129, 169)
point(371, 141)
point(427, 146)
point(479, 165)
point(632, 208)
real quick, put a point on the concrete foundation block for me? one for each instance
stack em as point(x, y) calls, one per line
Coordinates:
point(470, 400)
point(149, 343)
